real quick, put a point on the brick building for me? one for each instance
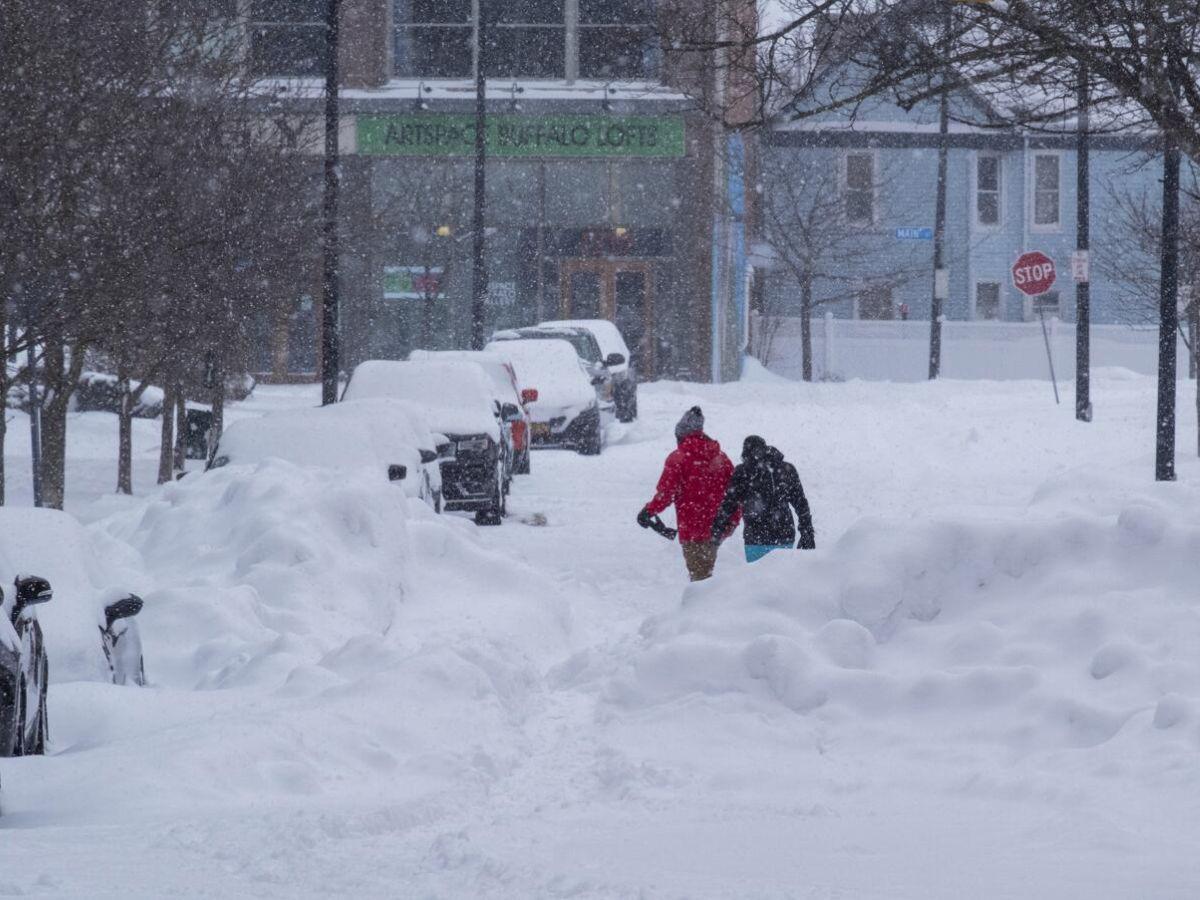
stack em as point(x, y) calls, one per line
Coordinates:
point(610, 192)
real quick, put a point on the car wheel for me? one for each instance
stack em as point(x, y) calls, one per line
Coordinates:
point(627, 406)
point(495, 513)
point(592, 443)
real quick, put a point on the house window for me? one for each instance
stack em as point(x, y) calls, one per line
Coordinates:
point(287, 37)
point(987, 191)
point(987, 300)
point(860, 188)
point(607, 39)
point(1046, 189)
point(617, 39)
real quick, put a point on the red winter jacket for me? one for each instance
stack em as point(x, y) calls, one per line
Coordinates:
point(694, 479)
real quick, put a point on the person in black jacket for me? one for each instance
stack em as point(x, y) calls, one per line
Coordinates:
point(766, 488)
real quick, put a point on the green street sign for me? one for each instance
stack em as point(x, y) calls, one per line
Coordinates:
point(430, 134)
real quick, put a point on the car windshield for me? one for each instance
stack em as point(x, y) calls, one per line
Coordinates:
point(585, 345)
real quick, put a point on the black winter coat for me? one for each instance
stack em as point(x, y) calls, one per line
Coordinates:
point(767, 488)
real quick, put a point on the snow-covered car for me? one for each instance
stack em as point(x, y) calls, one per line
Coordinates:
point(25, 666)
point(617, 360)
point(24, 669)
point(458, 401)
point(566, 412)
point(389, 437)
point(513, 415)
point(585, 346)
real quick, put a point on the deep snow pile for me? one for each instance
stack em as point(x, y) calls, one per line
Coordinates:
point(1028, 634)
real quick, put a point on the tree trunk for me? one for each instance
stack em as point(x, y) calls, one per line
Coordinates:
point(218, 411)
point(125, 435)
point(166, 446)
point(61, 381)
point(806, 328)
point(180, 454)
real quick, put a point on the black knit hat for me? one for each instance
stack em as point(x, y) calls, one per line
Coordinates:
point(752, 447)
point(692, 422)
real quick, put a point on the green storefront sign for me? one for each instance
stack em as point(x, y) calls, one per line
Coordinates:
point(523, 136)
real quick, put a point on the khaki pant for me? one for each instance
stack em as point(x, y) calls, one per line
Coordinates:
point(700, 557)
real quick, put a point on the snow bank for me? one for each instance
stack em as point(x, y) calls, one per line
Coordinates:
point(1034, 632)
point(261, 569)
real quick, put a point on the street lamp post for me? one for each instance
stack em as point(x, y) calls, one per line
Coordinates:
point(479, 275)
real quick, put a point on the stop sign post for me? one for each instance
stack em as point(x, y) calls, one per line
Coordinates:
point(1034, 274)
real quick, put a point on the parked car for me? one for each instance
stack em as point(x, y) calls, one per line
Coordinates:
point(389, 437)
point(585, 346)
point(508, 393)
point(24, 669)
point(566, 412)
point(458, 401)
point(615, 353)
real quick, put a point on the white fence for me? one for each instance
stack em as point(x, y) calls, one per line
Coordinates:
point(899, 350)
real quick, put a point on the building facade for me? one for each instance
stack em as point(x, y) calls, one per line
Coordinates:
point(610, 193)
point(1008, 191)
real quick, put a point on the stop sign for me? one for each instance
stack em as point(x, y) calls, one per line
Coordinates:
point(1033, 273)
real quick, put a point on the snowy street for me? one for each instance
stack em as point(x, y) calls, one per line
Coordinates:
point(985, 681)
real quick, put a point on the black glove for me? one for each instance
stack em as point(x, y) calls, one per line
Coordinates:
point(807, 542)
point(644, 517)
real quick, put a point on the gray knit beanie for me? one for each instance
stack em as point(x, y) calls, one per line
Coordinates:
point(692, 422)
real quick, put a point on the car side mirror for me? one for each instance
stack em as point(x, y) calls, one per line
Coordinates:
point(510, 412)
point(614, 359)
point(122, 609)
point(397, 472)
point(529, 395)
point(30, 590)
point(445, 451)
point(428, 456)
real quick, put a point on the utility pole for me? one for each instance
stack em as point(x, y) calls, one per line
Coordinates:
point(330, 344)
point(1083, 298)
point(479, 275)
point(941, 277)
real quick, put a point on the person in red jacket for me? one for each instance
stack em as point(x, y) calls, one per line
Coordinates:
point(694, 478)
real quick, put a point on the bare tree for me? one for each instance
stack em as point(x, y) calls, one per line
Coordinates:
point(816, 241)
point(1131, 255)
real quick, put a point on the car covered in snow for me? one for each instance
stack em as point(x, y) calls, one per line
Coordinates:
point(566, 412)
point(585, 346)
point(24, 669)
point(509, 402)
point(616, 357)
point(73, 630)
point(458, 401)
point(389, 437)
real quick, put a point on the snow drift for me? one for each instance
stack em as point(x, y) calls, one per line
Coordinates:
point(1036, 632)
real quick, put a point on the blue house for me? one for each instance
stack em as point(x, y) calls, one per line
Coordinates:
point(870, 177)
